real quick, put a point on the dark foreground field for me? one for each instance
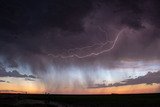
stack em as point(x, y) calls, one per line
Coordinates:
point(114, 100)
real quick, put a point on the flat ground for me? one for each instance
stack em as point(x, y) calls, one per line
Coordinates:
point(51, 100)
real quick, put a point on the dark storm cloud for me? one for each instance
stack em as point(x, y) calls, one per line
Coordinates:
point(132, 12)
point(32, 16)
point(29, 30)
point(14, 73)
point(149, 78)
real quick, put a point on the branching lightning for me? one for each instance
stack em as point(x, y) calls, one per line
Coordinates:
point(100, 45)
point(97, 44)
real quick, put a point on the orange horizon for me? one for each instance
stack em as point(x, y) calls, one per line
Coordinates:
point(128, 89)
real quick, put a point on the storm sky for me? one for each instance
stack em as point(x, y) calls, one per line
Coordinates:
point(72, 46)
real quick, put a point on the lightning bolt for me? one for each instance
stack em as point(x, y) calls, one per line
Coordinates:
point(100, 45)
point(97, 44)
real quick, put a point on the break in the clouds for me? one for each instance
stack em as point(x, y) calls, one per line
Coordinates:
point(56, 36)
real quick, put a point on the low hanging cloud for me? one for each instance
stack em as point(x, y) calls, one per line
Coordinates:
point(2, 81)
point(14, 73)
point(149, 78)
point(11, 91)
point(29, 79)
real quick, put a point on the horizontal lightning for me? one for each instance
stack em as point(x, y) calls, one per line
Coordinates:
point(100, 45)
point(90, 46)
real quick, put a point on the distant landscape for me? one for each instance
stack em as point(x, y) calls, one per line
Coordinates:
point(51, 100)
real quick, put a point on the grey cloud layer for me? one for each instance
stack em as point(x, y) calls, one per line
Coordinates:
point(14, 73)
point(149, 78)
point(2, 81)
